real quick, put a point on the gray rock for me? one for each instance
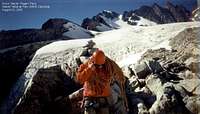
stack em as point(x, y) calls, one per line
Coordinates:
point(190, 85)
point(193, 104)
point(168, 102)
point(141, 70)
point(155, 85)
point(193, 64)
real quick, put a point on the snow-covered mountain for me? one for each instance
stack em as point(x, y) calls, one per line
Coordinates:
point(67, 28)
point(144, 16)
point(108, 20)
point(168, 14)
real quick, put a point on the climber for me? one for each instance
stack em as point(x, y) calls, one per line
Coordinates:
point(96, 75)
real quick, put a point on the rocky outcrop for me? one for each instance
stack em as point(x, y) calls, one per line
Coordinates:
point(45, 96)
point(15, 59)
point(179, 12)
point(161, 15)
point(100, 22)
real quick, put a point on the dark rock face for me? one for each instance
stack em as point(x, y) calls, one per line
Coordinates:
point(16, 60)
point(149, 13)
point(164, 14)
point(91, 24)
point(54, 24)
point(13, 38)
point(47, 92)
point(48, 32)
point(180, 13)
point(161, 15)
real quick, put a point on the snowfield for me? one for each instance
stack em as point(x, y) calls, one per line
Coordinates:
point(126, 42)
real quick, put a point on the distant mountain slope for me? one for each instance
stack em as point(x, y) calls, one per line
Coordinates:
point(106, 20)
point(53, 29)
point(101, 22)
point(168, 14)
point(109, 20)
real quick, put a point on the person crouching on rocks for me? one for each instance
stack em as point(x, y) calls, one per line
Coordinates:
point(96, 84)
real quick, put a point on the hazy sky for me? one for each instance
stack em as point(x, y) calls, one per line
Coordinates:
point(74, 10)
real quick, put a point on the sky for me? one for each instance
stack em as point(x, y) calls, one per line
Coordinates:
point(73, 10)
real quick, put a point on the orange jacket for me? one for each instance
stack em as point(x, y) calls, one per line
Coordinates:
point(96, 83)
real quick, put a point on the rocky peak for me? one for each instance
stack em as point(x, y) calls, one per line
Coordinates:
point(168, 14)
point(100, 22)
point(169, 5)
point(110, 14)
point(148, 13)
point(180, 13)
point(54, 23)
point(156, 6)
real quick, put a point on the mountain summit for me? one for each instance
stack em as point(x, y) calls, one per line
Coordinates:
point(161, 15)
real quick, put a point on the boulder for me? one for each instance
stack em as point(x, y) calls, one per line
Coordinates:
point(191, 86)
point(141, 70)
point(169, 101)
point(45, 88)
